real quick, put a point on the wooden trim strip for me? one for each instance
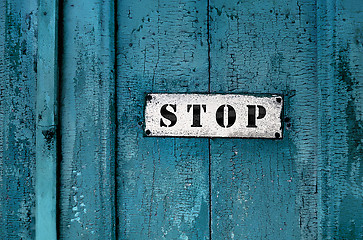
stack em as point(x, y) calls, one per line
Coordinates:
point(46, 114)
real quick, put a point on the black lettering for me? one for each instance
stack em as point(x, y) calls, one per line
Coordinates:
point(196, 114)
point(231, 116)
point(168, 115)
point(261, 112)
point(252, 114)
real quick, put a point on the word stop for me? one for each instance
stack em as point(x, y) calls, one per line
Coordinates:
point(207, 115)
point(225, 115)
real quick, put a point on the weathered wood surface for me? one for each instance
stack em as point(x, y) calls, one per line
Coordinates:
point(87, 126)
point(18, 62)
point(263, 189)
point(162, 186)
point(340, 77)
point(306, 186)
point(47, 122)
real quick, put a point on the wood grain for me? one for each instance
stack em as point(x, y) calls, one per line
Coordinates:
point(87, 125)
point(266, 189)
point(47, 122)
point(115, 183)
point(340, 78)
point(18, 61)
point(163, 190)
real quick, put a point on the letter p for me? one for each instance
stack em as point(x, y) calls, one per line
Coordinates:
point(252, 115)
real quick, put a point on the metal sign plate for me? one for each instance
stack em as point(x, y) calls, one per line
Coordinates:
point(213, 115)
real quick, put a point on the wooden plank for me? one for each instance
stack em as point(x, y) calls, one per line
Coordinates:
point(340, 78)
point(18, 49)
point(266, 189)
point(47, 123)
point(163, 190)
point(87, 123)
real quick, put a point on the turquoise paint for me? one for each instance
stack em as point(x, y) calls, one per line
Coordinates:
point(163, 189)
point(339, 75)
point(265, 189)
point(87, 121)
point(18, 49)
point(114, 183)
point(47, 122)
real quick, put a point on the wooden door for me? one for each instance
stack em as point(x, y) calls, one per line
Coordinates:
point(237, 188)
point(113, 182)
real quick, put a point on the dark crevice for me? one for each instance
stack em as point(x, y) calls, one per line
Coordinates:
point(58, 117)
point(208, 41)
point(209, 140)
point(116, 216)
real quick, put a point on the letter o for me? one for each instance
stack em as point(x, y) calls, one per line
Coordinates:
point(231, 113)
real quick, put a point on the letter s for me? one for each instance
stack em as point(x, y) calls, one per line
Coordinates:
point(168, 115)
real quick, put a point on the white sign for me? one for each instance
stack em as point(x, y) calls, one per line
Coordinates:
point(213, 115)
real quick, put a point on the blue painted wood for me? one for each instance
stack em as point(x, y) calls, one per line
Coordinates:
point(266, 189)
point(18, 61)
point(87, 121)
point(306, 186)
point(47, 122)
point(162, 187)
point(339, 71)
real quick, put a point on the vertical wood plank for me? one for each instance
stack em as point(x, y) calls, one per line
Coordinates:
point(87, 121)
point(266, 189)
point(163, 190)
point(340, 78)
point(18, 50)
point(46, 117)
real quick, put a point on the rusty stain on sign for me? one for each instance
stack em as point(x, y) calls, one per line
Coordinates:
point(213, 115)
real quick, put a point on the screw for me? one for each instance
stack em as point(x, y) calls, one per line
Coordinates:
point(278, 100)
point(148, 132)
point(149, 97)
point(277, 135)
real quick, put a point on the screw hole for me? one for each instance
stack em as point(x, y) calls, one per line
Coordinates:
point(149, 97)
point(277, 135)
point(148, 132)
point(287, 119)
point(278, 100)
